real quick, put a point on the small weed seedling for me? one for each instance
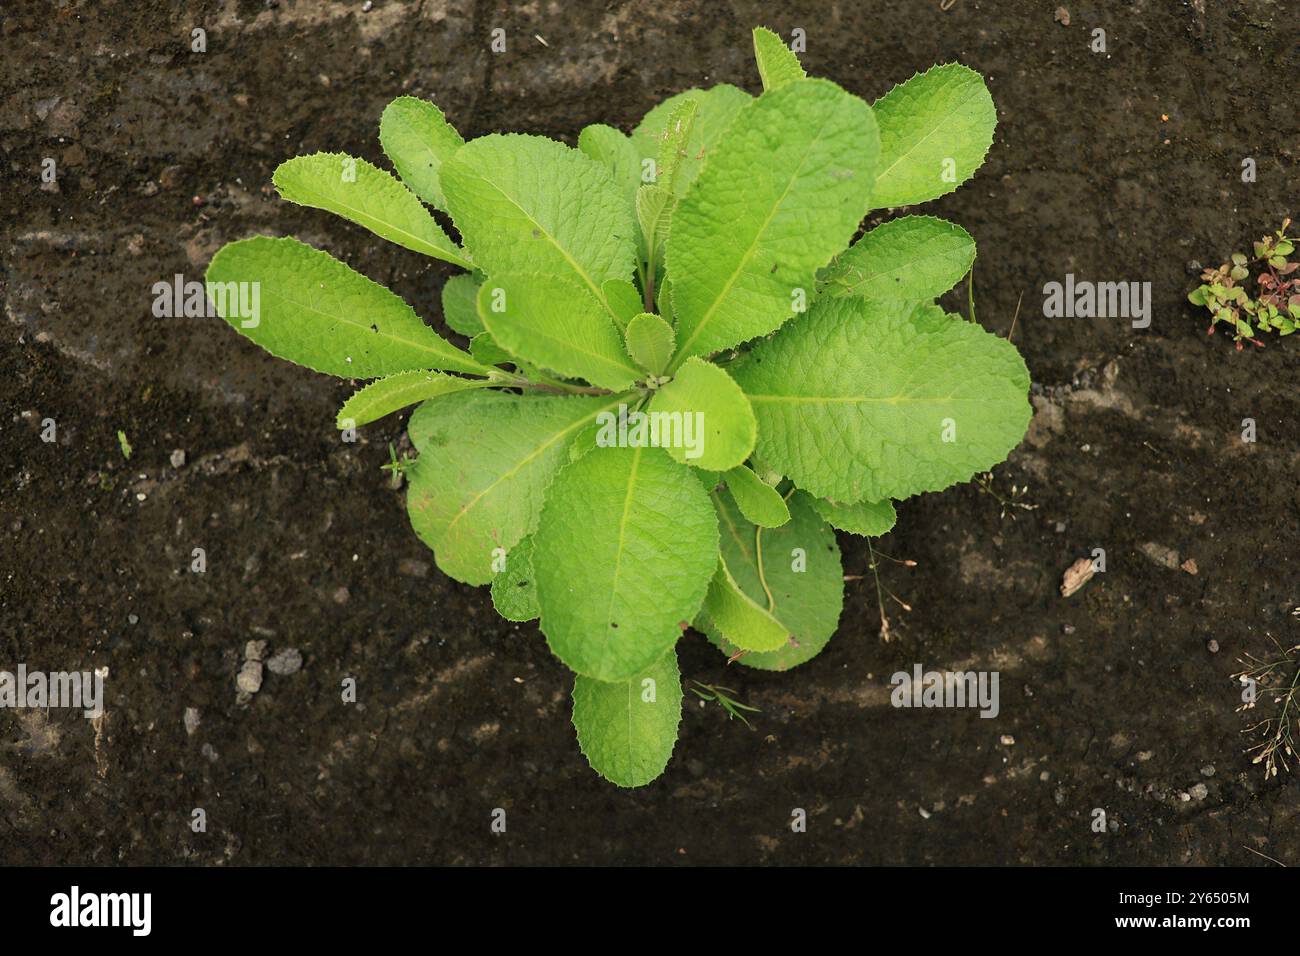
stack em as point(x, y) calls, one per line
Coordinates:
point(1276, 307)
point(681, 375)
point(1278, 680)
point(733, 707)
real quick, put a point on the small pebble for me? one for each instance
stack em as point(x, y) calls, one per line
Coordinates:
point(341, 595)
point(1007, 740)
point(192, 720)
point(178, 458)
point(1212, 646)
point(1199, 792)
point(285, 662)
point(250, 677)
point(1207, 770)
point(132, 619)
point(255, 650)
point(1067, 628)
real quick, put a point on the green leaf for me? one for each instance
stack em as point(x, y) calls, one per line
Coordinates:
point(654, 211)
point(370, 197)
point(387, 395)
point(806, 602)
point(460, 305)
point(487, 350)
point(417, 139)
point(717, 424)
point(664, 300)
point(673, 143)
point(737, 618)
point(859, 401)
point(514, 589)
point(623, 300)
point(935, 131)
point(613, 150)
point(486, 459)
point(624, 551)
point(650, 342)
point(784, 192)
point(758, 501)
point(556, 324)
point(316, 311)
point(530, 204)
point(1198, 295)
point(872, 518)
point(915, 257)
point(777, 64)
point(715, 108)
point(627, 730)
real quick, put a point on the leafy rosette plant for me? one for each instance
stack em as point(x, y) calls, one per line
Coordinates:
point(682, 374)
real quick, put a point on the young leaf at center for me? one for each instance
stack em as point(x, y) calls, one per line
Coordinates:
point(650, 342)
point(712, 415)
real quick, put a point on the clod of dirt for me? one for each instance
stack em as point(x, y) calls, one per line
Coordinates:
point(1190, 566)
point(1062, 16)
point(1161, 555)
point(178, 458)
point(285, 662)
point(192, 720)
point(249, 680)
point(255, 651)
point(1076, 576)
point(411, 568)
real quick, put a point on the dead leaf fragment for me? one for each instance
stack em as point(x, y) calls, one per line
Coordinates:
point(1076, 576)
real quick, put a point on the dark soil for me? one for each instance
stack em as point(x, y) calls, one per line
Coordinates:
point(1119, 166)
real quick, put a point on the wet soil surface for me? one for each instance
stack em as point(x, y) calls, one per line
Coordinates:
point(1120, 166)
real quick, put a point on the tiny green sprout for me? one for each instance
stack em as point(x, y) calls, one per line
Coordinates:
point(682, 362)
point(1275, 307)
point(396, 467)
point(123, 444)
point(728, 703)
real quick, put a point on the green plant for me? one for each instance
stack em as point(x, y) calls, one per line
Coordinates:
point(680, 378)
point(1276, 308)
